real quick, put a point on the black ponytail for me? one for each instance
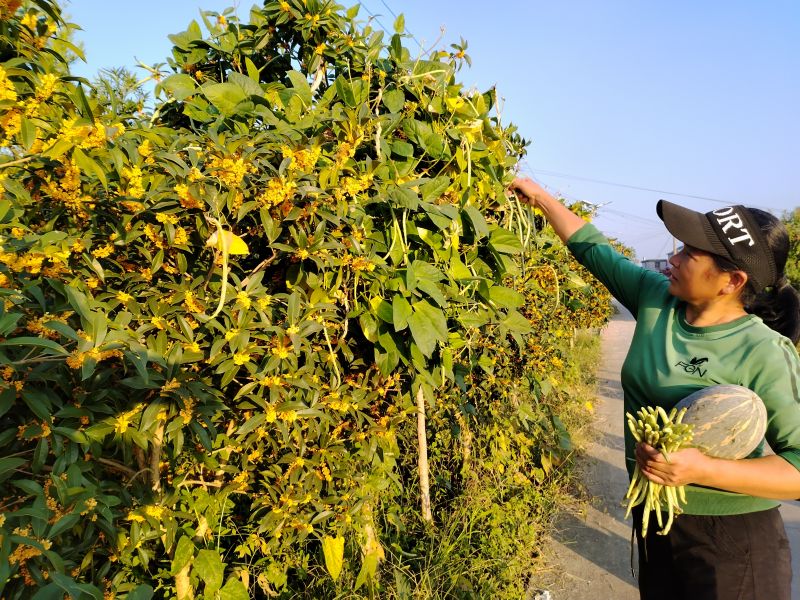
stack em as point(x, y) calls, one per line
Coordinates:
point(778, 305)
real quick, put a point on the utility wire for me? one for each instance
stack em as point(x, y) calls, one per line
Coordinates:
point(375, 17)
point(413, 37)
point(644, 189)
point(377, 20)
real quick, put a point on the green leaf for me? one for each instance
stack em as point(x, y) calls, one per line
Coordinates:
point(478, 222)
point(401, 310)
point(209, 567)
point(506, 297)
point(252, 70)
point(224, 96)
point(403, 197)
point(352, 93)
point(394, 100)
point(369, 326)
point(400, 24)
point(428, 325)
point(36, 342)
point(333, 550)
point(142, 592)
point(63, 524)
point(515, 322)
point(503, 241)
point(10, 464)
point(234, 590)
point(433, 190)
point(301, 86)
point(184, 553)
point(402, 149)
point(27, 132)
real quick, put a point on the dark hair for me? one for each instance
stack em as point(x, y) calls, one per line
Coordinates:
point(777, 305)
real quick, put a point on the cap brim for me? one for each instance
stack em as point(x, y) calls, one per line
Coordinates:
point(689, 226)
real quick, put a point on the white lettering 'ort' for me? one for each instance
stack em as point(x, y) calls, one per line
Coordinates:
point(731, 219)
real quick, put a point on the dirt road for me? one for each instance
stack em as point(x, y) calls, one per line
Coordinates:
point(591, 552)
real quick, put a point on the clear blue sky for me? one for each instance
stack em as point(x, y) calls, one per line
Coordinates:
point(698, 98)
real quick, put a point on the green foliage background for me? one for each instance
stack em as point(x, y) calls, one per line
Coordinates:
point(216, 318)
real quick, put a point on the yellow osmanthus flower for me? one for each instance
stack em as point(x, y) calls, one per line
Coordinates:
point(285, 6)
point(103, 251)
point(135, 184)
point(30, 20)
point(7, 89)
point(155, 510)
point(282, 351)
point(192, 347)
point(244, 299)
point(159, 322)
point(195, 174)
point(230, 170)
point(344, 152)
point(241, 480)
point(11, 123)
point(145, 150)
point(241, 358)
point(362, 263)
point(172, 384)
point(167, 218)
point(186, 198)
point(190, 302)
point(293, 330)
point(264, 302)
point(123, 297)
point(122, 422)
point(270, 415)
point(269, 381)
point(154, 235)
point(93, 283)
point(231, 333)
point(67, 189)
point(46, 86)
point(132, 516)
point(352, 186)
point(188, 410)
point(181, 237)
point(290, 416)
point(278, 191)
point(320, 49)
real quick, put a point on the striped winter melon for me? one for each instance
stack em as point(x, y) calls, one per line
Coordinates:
point(729, 420)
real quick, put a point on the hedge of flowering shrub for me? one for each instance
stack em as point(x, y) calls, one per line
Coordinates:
point(217, 318)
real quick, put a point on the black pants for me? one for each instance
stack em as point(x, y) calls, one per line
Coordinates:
point(734, 557)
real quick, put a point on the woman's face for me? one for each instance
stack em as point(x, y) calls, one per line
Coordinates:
point(695, 277)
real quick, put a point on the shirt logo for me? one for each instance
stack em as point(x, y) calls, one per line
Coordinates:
point(694, 366)
point(727, 218)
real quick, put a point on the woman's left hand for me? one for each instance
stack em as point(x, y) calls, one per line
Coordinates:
point(685, 466)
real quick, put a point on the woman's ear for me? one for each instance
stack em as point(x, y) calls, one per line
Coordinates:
point(736, 282)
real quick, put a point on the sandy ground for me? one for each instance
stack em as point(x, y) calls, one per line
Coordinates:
point(590, 554)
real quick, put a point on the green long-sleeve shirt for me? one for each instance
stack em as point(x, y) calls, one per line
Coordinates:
point(669, 359)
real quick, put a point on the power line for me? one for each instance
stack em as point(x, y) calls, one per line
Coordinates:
point(644, 189)
point(378, 21)
point(413, 37)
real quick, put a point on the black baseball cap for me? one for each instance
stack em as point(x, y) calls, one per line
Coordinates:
point(730, 232)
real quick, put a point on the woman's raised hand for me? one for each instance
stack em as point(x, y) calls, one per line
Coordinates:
point(529, 191)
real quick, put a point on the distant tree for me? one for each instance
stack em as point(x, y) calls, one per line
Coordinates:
point(120, 92)
point(792, 222)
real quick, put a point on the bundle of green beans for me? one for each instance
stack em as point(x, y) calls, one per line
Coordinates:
point(668, 436)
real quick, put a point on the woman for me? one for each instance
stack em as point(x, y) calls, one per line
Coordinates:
point(725, 314)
